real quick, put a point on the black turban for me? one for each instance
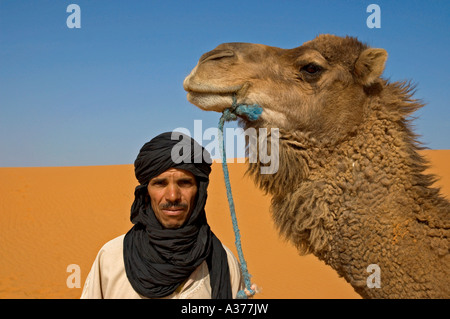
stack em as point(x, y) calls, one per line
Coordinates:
point(158, 260)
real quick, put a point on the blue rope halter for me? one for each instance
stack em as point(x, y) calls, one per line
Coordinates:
point(252, 112)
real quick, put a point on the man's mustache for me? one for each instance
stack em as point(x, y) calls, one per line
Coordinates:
point(173, 205)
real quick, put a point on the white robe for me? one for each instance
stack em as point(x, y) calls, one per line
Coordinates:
point(108, 280)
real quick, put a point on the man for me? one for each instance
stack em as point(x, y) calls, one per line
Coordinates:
point(170, 252)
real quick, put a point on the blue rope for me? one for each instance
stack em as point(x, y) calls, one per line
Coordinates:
point(252, 112)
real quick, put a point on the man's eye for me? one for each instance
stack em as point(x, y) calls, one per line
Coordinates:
point(186, 183)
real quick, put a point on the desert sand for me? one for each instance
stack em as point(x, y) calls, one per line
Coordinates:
point(55, 217)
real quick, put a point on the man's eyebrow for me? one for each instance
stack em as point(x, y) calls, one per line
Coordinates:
point(187, 179)
point(158, 179)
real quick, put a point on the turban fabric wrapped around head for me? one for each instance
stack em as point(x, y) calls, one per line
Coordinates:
point(158, 260)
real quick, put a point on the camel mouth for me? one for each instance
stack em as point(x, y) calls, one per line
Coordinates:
point(207, 101)
point(190, 85)
point(209, 97)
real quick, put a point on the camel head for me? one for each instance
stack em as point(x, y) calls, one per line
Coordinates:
point(318, 88)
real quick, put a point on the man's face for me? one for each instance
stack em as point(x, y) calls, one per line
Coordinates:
point(172, 196)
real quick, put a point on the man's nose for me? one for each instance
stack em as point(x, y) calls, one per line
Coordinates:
point(173, 193)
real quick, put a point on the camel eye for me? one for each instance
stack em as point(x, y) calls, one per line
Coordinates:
point(311, 69)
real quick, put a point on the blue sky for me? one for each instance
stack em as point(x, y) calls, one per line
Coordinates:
point(95, 95)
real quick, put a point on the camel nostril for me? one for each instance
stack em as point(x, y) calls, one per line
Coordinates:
point(215, 55)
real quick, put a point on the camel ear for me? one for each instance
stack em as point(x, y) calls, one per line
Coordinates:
point(370, 65)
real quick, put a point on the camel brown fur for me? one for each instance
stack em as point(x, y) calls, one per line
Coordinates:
point(350, 187)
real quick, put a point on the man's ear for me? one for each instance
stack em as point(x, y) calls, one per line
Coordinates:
point(370, 65)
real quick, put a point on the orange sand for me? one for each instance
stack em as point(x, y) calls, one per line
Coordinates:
point(54, 217)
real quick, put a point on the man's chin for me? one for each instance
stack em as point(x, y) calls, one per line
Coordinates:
point(172, 225)
point(172, 218)
point(173, 221)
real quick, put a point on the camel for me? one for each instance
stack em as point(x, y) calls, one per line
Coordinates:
point(350, 187)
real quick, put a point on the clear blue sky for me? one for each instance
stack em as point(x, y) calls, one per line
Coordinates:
point(95, 95)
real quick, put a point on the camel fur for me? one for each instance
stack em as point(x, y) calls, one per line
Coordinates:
point(350, 187)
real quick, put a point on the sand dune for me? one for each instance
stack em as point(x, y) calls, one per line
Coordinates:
point(54, 217)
